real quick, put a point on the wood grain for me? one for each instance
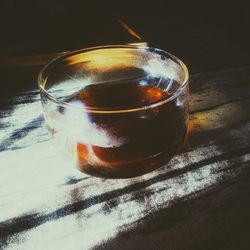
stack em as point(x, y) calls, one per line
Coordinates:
point(214, 159)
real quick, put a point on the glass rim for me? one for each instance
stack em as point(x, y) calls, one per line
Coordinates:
point(42, 80)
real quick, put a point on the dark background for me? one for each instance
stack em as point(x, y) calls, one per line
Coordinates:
point(33, 26)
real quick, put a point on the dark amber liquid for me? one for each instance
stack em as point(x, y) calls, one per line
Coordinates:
point(148, 137)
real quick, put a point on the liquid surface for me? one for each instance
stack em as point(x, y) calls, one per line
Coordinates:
point(119, 95)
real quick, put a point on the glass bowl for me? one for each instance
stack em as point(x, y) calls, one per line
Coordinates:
point(116, 111)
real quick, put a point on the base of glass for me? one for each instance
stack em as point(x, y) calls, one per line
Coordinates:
point(133, 169)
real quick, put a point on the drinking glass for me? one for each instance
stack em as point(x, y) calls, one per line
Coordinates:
point(116, 111)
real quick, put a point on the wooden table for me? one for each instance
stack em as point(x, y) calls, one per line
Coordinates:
point(199, 200)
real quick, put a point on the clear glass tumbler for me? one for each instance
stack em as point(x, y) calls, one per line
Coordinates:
point(117, 111)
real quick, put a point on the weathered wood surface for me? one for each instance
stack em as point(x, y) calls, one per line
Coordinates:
point(200, 200)
point(44, 203)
